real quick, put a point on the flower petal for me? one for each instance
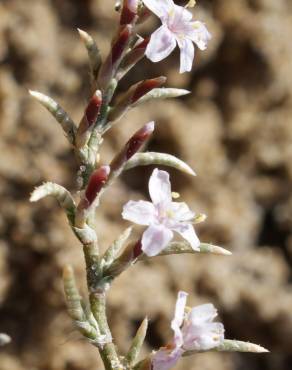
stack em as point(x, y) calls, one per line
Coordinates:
point(202, 314)
point(160, 188)
point(180, 308)
point(141, 212)
point(155, 239)
point(181, 211)
point(187, 54)
point(199, 34)
point(178, 318)
point(179, 18)
point(203, 337)
point(159, 7)
point(165, 359)
point(161, 44)
point(187, 231)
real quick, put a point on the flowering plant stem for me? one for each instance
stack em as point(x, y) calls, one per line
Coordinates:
point(194, 330)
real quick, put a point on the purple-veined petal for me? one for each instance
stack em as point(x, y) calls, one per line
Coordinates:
point(155, 239)
point(199, 34)
point(160, 188)
point(159, 7)
point(187, 54)
point(141, 212)
point(187, 231)
point(181, 211)
point(202, 314)
point(165, 359)
point(161, 44)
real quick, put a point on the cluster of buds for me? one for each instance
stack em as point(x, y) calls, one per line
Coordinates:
point(164, 218)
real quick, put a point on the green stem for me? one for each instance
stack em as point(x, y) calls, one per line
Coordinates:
point(108, 351)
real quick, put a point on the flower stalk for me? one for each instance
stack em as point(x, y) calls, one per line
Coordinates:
point(163, 219)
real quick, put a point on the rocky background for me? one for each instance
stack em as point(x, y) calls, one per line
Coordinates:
point(235, 130)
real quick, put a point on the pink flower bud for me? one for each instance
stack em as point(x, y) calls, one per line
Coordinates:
point(132, 146)
point(129, 12)
point(138, 139)
point(145, 86)
point(111, 64)
point(90, 116)
point(96, 182)
point(120, 44)
point(133, 57)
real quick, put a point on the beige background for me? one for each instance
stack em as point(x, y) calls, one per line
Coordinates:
point(235, 130)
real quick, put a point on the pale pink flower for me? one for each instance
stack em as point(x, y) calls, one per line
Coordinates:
point(162, 216)
point(194, 330)
point(177, 28)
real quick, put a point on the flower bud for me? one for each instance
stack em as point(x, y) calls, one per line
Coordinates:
point(145, 86)
point(132, 146)
point(126, 259)
point(90, 116)
point(129, 12)
point(110, 66)
point(137, 91)
point(133, 57)
point(96, 182)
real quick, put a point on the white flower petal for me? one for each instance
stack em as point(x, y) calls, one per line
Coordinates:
point(187, 54)
point(181, 211)
point(187, 231)
point(180, 17)
point(155, 239)
point(199, 34)
point(141, 212)
point(159, 7)
point(203, 337)
point(165, 359)
point(180, 308)
point(202, 314)
point(160, 188)
point(179, 318)
point(161, 44)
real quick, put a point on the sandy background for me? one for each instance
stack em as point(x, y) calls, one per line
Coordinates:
point(235, 130)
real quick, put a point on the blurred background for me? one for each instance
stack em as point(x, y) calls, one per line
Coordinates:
point(235, 130)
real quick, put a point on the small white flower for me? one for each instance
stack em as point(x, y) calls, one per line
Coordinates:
point(193, 331)
point(162, 216)
point(177, 28)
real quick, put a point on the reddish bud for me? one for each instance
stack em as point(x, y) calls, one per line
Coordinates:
point(137, 250)
point(96, 182)
point(132, 146)
point(120, 44)
point(93, 108)
point(90, 116)
point(129, 12)
point(133, 57)
point(145, 86)
point(138, 139)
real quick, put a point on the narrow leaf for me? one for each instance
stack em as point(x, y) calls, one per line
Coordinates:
point(233, 346)
point(58, 112)
point(151, 158)
point(162, 93)
point(113, 251)
point(62, 195)
point(93, 53)
point(137, 343)
point(74, 305)
point(185, 248)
